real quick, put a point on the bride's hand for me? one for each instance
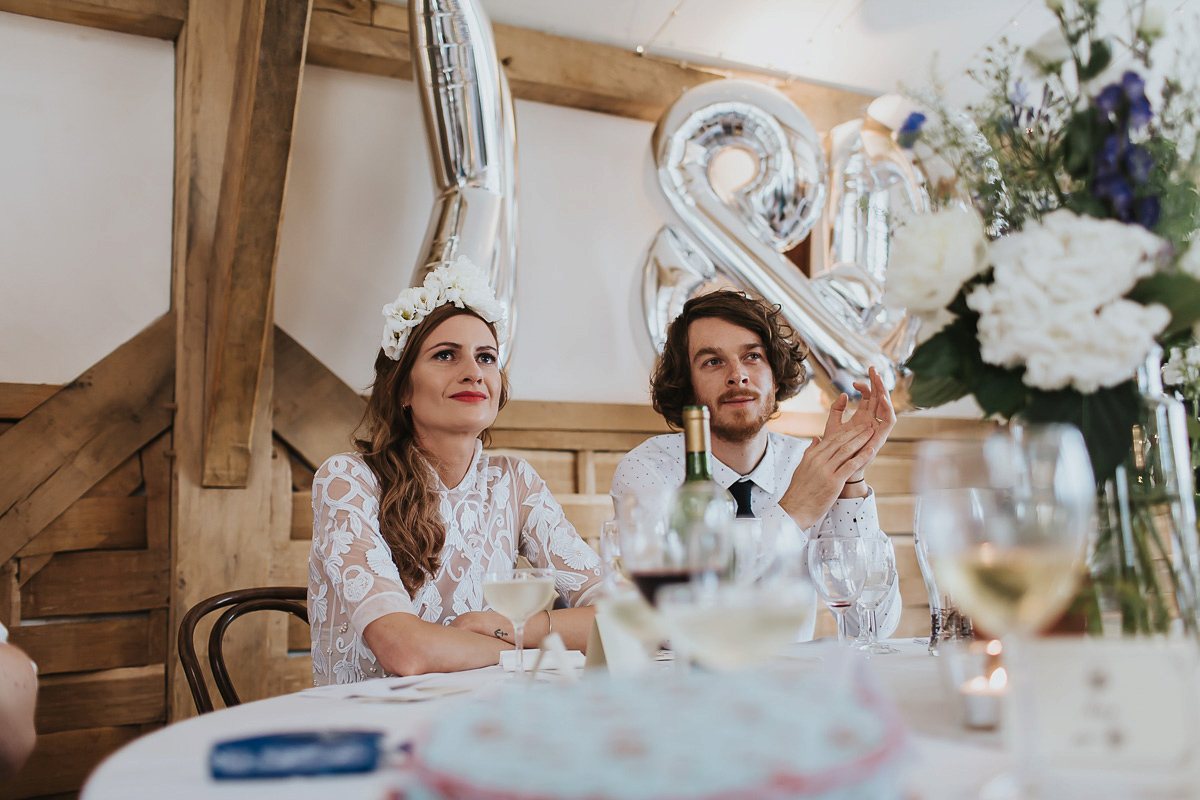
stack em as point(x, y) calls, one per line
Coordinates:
point(485, 623)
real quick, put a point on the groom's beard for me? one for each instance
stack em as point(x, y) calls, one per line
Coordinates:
point(741, 425)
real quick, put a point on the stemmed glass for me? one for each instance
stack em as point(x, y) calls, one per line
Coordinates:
point(518, 593)
point(879, 559)
point(838, 574)
point(1008, 519)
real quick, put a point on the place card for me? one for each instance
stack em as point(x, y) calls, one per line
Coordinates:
point(616, 640)
point(1123, 705)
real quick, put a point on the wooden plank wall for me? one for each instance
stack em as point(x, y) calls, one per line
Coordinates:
point(86, 597)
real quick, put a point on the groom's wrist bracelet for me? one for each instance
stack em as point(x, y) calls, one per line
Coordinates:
point(860, 480)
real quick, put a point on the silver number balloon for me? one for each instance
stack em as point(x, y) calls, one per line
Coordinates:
point(472, 136)
point(871, 179)
point(743, 235)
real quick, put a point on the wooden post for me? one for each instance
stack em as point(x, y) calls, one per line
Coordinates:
point(219, 535)
point(258, 150)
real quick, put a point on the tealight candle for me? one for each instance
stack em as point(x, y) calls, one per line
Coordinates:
point(981, 697)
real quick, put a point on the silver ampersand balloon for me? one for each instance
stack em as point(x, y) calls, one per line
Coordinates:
point(872, 179)
point(742, 237)
point(472, 136)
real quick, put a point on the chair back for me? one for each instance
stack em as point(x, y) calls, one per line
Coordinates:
point(237, 602)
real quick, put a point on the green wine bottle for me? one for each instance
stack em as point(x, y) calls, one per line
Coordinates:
point(703, 510)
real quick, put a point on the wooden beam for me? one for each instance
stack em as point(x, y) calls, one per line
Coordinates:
point(207, 521)
point(373, 38)
point(56, 453)
point(343, 36)
point(315, 412)
point(18, 399)
point(127, 696)
point(249, 216)
point(62, 761)
point(161, 19)
point(553, 69)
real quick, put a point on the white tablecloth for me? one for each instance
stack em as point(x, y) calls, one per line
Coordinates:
point(947, 761)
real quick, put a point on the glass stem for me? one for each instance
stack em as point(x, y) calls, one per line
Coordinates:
point(1022, 734)
point(519, 642)
point(841, 626)
point(872, 633)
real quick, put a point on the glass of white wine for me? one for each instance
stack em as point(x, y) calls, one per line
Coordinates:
point(518, 593)
point(729, 626)
point(1008, 519)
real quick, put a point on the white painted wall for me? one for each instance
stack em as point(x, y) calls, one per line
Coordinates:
point(86, 171)
point(359, 202)
point(85, 218)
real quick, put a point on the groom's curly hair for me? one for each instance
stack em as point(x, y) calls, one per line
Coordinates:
point(671, 384)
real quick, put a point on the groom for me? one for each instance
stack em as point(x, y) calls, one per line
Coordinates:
point(736, 355)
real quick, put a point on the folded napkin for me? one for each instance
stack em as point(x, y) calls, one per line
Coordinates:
point(566, 659)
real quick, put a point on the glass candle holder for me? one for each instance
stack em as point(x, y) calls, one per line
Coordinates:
point(975, 673)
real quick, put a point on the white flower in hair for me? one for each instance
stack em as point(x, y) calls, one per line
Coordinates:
point(461, 283)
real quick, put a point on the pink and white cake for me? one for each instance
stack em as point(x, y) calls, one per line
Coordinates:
point(713, 736)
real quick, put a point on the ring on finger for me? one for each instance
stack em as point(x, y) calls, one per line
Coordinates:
point(879, 420)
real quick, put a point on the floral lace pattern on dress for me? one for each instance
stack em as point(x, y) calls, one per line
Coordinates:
point(501, 508)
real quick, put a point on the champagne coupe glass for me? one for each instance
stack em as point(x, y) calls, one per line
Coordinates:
point(1008, 519)
point(879, 559)
point(610, 552)
point(518, 594)
point(838, 574)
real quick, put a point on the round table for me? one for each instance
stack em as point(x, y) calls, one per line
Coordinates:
point(947, 761)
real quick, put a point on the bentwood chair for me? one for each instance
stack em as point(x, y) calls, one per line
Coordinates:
point(236, 603)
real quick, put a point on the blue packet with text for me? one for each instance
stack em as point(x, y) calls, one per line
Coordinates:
point(283, 755)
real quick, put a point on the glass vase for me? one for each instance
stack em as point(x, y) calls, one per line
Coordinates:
point(1144, 566)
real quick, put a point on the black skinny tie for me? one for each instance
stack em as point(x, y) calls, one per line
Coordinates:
point(741, 493)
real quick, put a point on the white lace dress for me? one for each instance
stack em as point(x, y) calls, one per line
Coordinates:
point(501, 508)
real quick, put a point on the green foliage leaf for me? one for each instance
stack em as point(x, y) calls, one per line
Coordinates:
point(1105, 417)
point(1098, 60)
point(1179, 292)
point(1081, 139)
point(999, 390)
point(930, 391)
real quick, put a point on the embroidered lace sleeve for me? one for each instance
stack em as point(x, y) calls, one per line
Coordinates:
point(548, 539)
point(352, 578)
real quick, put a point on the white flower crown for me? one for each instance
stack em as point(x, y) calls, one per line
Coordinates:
point(461, 283)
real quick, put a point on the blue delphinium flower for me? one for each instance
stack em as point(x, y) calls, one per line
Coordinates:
point(1120, 169)
point(910, 130)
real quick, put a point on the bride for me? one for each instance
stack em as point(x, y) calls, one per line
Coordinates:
point(405, 528)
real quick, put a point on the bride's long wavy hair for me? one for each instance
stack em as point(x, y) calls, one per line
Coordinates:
point(409, 519)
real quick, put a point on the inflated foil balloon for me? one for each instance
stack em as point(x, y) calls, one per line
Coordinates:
point(873, 181)
point(741, 235)
point(472, 136)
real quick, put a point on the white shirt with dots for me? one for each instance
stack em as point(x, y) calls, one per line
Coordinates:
point(657, 465)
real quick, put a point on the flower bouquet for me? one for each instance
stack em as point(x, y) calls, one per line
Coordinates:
point(1059, 256)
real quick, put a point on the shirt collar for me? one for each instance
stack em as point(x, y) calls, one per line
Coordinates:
point(763, 475)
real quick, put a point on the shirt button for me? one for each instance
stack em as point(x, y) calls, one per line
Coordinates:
point(344, 627)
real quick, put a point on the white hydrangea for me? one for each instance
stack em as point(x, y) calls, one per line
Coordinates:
point(460, 283)
point(1057, 303)
point(931, 257)
point(1183, 370)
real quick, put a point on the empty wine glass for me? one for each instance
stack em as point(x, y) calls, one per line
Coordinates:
point(1008, 520)
point(946, 622)
point(518, 593)
point(838, 574)
point(879, 560)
